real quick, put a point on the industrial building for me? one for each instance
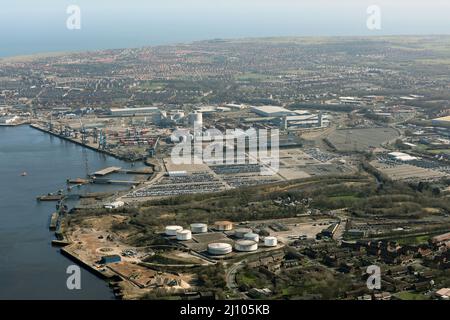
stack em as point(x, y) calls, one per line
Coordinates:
point(291, 119)
point(273, 111)
point(305, 120)
point(8, 120)
point(110, 259)
point(127, 112)
point(196, 118)
point(114, 205)
point(443, 121)
point(400, 156)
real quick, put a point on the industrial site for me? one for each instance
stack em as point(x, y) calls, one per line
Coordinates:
point(252, 169)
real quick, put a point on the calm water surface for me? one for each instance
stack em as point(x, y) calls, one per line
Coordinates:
point(30, 268)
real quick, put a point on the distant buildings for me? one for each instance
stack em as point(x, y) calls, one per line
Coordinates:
point(114, 205)
point(441, 121)
point(400, 156)
point(110, 259)
point(141, 111)
point(441, 239)
point(273, 111)
point(443, 294)
point(8, 120)
point(291, 119)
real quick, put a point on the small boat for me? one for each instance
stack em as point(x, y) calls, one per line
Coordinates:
point(24, 174)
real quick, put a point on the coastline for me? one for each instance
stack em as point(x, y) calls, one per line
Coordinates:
point(37, 127)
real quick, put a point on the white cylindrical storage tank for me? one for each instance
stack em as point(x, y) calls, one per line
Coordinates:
point(219, 249)
point(199, 228)
point(196, 118)
point(178, 115)
point(184, 235)
point(246, 245)
point(241, 232)
point(270, 241)
point(223, 225)
point(251, 236)
point(172, 230)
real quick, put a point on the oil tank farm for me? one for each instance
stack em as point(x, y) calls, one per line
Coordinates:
point(241, 232)
point(219, 249)
point(184, 235)
point(246, 246)
point(270, 241)
point(172, 230)
point(223, 225)
point(251, 236)
point(199, 227)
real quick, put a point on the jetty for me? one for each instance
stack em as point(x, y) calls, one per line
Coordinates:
point(51, 197)
point(106, 171)
point(78, 181)
point(110, 181)
point(54, 220)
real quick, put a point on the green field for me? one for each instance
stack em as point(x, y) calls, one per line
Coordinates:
point(253, 77)
point(414, 240)
point(152, 86)
point(406, 295)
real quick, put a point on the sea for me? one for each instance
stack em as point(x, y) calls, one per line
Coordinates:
point(30, 26)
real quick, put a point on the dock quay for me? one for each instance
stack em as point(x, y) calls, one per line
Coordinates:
point(136, 171)
point(54, 220)
point(37, 127)
point(78, 181)
point(72, 256)
point(60, 243)
point(95, 195)
point(106, 171)
point(109, 181)
point(50, 197)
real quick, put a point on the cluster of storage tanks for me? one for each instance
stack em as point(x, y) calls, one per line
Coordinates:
point(247, 239)
point(185, 234)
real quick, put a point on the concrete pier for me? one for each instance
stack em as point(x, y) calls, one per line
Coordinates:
point(54, 220)
point(106, 171)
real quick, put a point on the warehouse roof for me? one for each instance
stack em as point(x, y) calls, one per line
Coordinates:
point(445, 119)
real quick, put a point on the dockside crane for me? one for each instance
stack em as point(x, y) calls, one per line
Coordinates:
point(95, 135)
point(102, 140)
point(83, 132)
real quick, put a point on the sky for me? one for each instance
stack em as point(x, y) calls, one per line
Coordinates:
point(31, 26)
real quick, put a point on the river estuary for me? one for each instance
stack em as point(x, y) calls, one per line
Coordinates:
point(30, 268)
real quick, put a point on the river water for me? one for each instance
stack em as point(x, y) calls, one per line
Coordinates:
point(30, 268)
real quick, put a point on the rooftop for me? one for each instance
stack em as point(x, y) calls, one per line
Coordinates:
point(447, 118)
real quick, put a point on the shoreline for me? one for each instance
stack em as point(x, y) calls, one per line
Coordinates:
point(29, 57)
point(64, 250)
point(39, 128)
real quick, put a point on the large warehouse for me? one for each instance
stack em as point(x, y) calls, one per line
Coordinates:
point(142, 111)
point(292, 119)
point(273, 111)
point(305, 121)
point(444, 121)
